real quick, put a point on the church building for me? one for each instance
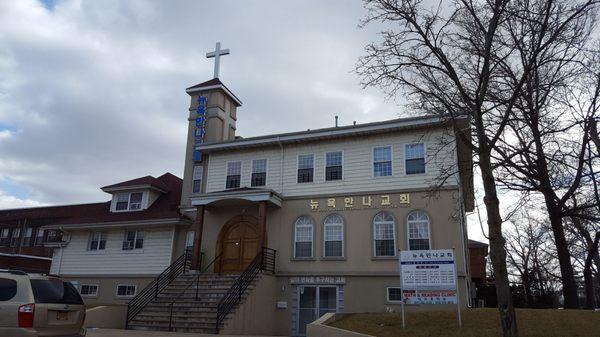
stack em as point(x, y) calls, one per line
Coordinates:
point(332, 207)
point(264, 234)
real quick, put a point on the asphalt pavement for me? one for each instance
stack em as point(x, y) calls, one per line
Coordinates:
point(138, 333)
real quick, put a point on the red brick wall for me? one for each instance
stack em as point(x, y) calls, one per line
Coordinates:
point(478, 262)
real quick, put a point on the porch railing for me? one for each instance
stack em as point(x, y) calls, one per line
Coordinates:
point(264, 261)
point(195, 281)
point(151, 291)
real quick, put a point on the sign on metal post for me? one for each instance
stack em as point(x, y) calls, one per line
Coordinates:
point(429, 277)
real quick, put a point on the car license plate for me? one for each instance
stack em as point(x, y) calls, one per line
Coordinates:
point(62, 315)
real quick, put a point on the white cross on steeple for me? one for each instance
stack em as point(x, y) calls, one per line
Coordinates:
point(217, 55)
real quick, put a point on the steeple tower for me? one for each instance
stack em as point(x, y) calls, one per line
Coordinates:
point(212, 118)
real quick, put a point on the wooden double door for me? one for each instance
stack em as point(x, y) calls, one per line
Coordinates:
point(238, 244)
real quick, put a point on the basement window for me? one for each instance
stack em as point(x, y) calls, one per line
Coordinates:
point(394, 294)
point(89, 290)
point(126, 290)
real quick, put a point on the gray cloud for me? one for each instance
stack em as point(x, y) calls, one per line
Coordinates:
point(92, 92)
point(95, 89)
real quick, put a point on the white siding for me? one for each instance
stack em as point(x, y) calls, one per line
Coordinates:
point(358, 165)
point(151, 260)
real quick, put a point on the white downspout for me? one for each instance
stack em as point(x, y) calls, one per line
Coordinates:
point(62, 249)
point(281, 166)
point(60, 260)
point(463, 221)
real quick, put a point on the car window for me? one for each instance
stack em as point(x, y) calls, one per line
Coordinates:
point(8, 289)
point(55, 291)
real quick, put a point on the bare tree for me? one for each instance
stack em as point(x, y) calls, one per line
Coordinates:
point(453, 62)
point(530, 260)
point(544, 148)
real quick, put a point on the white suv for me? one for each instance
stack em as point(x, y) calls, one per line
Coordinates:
point(39, 305)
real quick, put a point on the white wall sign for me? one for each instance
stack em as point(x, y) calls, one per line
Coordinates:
point(429, 277)
point(427, 269)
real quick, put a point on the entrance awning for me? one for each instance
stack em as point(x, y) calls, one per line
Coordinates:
point(246, 193)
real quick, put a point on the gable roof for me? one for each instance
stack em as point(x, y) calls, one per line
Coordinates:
point(215, 83)
point(209, 83)
point(165, 207)
point(393, 125)
point(147, 181)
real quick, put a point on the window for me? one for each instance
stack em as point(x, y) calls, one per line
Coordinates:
point(382, 161)
point(8, 289)
point(97, 241)
point(28, 238)
point(334, 236)
point(189, 239)
point(394, 294)
point(133, 240)
point(129, 201)
point(135, 201)
point(126, 290)
point(89, 290)
point(333, 166)
point(16, 235)
point(384, 234)
point(259, 172)
point(306, 168)
point(303, 237)
point(39, 239)
point(122, 202)
point(414, 158)
point(4, 236)
point(197, 185)
point(418, 231)
point(234, 172)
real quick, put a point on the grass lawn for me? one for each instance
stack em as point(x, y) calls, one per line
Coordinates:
point(476, 323)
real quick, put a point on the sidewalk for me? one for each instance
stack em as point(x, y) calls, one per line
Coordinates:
point(138, 333)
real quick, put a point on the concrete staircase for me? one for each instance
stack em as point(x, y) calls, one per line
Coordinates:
point(189, 314)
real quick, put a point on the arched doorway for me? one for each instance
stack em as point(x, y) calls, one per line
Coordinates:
point(238, 244)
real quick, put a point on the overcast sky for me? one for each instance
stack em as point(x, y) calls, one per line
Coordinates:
point(93, 92)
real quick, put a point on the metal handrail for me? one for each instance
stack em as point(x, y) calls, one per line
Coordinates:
point(197, 281)
point(151, 291)
point(264, 261)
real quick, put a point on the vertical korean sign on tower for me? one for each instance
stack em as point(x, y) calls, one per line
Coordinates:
point(200, 129)
point(429, 277)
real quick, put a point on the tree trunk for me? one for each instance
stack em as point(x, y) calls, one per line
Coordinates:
point(590, 296)
point(593, 257)
point(569, 286)
point(567, 276)
point(527, 289)
point(497, 253)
